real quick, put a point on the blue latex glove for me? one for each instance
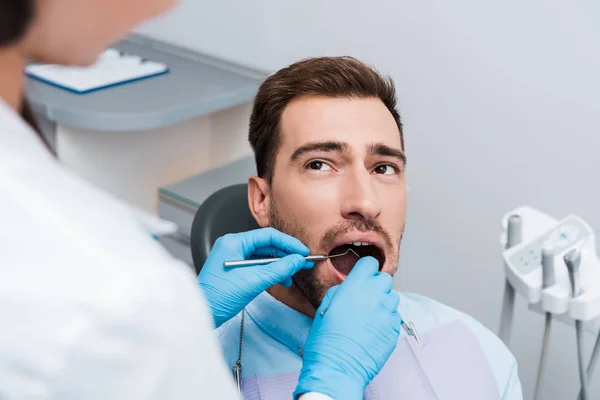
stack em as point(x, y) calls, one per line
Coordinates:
point(347, 346)
point(229, 290)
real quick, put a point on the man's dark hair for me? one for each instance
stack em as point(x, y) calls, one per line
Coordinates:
point(15, 17)
point(336, 77)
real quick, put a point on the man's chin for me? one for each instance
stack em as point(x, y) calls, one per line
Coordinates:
point(310, 287)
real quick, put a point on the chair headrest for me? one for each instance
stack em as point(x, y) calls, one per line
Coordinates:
point(225, 211)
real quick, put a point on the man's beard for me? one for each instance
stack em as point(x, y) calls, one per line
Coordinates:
point(307, 280)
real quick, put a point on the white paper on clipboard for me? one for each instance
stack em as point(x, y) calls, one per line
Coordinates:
point(112, 68)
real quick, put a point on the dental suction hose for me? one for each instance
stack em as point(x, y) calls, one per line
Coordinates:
point(573, 261)
point(548, 279)
point(593, 360)
point(513, 237)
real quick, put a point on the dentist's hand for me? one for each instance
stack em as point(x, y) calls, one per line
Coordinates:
point(347, 346)
point(229, 290)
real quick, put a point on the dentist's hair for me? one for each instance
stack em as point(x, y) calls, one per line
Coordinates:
point(335, 77)
point(15, 17)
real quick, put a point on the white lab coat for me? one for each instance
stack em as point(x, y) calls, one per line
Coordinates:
point(91, 307)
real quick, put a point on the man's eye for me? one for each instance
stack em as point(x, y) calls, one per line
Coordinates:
point(318, 166)
point(386, 169)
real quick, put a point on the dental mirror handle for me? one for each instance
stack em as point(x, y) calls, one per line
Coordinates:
point(264, 261)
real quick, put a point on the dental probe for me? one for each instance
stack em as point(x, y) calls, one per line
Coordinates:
point(263, 261)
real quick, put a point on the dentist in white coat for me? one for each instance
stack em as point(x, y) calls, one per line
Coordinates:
point(90, 306)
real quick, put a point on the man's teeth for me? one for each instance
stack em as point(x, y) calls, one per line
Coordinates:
point(359, 243)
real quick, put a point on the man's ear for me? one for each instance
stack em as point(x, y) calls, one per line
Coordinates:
point(259, 200)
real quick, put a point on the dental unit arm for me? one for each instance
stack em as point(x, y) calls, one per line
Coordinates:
point(513, 237)
point(555, 268)
point(548, 280)
point(573, 262)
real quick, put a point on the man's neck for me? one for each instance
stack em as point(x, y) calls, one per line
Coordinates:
point(293, 298)
point(11, 77)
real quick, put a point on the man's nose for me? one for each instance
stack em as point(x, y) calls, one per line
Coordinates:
point(360, 198)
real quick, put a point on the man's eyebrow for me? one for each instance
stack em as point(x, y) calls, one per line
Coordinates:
point(329, 146)
point(381, 149)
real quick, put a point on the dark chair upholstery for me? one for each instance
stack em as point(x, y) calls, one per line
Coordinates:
point(225, 211)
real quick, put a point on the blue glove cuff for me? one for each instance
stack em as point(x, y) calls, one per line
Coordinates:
point(333, 384)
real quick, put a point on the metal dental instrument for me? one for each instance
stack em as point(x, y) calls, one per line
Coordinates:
point(263, 261)
point(410, 328)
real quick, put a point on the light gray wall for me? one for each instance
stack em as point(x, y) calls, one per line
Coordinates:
point(501, 105)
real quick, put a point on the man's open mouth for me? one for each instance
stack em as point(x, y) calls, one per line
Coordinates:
point(346, 262)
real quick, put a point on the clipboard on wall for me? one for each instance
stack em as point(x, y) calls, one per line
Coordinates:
point(113, 68)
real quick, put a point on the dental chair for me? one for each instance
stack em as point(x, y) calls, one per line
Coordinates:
point(225, 211)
